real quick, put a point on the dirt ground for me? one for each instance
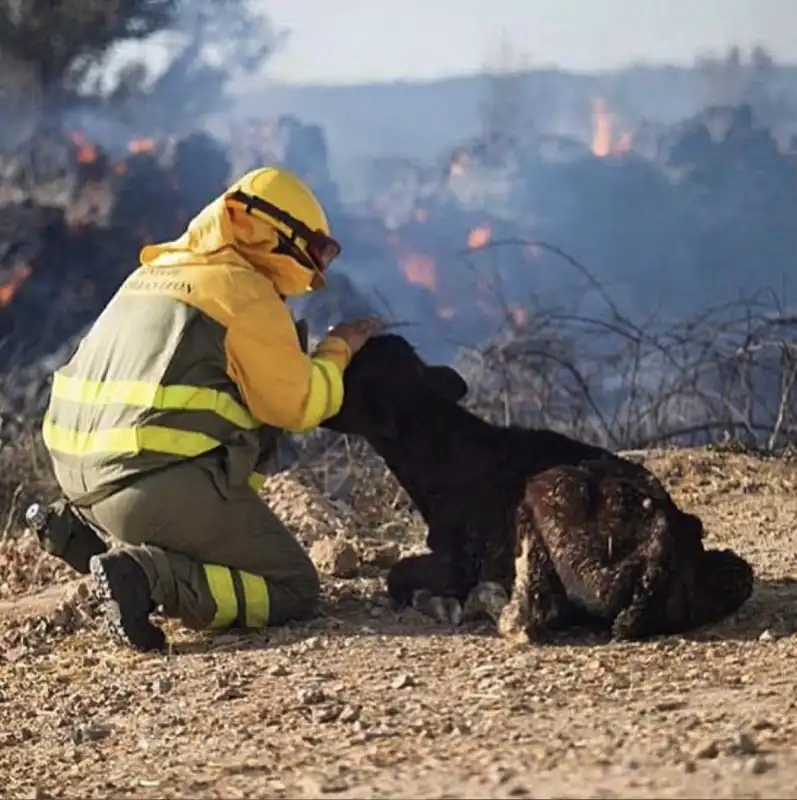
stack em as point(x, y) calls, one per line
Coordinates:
point(363, 702)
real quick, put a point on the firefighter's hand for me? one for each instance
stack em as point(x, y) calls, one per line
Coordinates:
point(357, 332)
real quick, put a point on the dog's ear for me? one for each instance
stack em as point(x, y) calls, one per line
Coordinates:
point(447, 382)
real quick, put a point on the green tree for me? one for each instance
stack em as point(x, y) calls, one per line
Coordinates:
point(211, 46)
point(57, 41)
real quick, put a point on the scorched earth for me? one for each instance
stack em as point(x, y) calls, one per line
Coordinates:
point(364, 702)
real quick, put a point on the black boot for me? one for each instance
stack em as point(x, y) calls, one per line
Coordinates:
point(62, 533)
point(122, 584)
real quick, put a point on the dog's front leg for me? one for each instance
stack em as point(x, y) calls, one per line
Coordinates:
point(427, 583)
point(496, 573)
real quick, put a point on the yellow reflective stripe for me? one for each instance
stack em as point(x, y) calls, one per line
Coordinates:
point(146, 394)
point(326, 394)
point(126, 440)
point(335, 381)
point(317, 399)
point(256, 481)
point(222, 590)
point(258, 602)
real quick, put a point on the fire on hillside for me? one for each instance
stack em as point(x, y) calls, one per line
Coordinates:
point(97, 206)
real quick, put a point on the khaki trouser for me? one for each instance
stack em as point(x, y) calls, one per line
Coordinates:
point(214, 554)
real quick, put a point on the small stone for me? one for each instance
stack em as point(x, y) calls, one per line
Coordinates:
point(745, 745)
point(767, 636)
point(62, 617)
point(376, 612)
point(315, 785)
point(386, 555)
point(310, 697)
point(325, 713)
point(90, 733)
point(335, 557)
point(349, 714)
point(708, 749)
point(278, 671)
point(689, 766)
point(402, 681)
point(228, 693)
point(162, 685)
point(758, 765)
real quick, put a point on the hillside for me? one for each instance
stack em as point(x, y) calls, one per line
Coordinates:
point(366, 703)
point(430, 117)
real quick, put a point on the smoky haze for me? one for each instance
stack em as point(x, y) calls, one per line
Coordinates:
point(478, 212)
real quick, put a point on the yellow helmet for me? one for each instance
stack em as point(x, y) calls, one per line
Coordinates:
point(292, 208)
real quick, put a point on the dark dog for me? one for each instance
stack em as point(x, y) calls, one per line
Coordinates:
point(572, 533)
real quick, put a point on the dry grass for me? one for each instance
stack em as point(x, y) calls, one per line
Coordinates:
point(25, 474)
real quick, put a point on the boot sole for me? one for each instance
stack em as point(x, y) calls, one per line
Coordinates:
point(111, 610)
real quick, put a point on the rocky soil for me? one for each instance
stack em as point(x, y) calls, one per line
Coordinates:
point(363, 702)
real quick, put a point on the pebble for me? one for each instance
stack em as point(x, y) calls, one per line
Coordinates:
point(708, 749)
point(328, 713)
point(310, 697)
point(386, 555)
point(402, 681)
point(90, 733)
point(758, 765)
point(745, 745)
point(349, 714)
point(162, 685)
point(335, 557)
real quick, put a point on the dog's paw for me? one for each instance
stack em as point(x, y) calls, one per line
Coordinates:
point(444, 609)
point(486, 599)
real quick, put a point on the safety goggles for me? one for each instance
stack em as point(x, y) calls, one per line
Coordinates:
point(320, 249)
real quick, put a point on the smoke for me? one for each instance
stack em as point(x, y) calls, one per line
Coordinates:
point(166, 84)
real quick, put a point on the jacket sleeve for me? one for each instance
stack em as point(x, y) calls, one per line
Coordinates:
point(281, 385)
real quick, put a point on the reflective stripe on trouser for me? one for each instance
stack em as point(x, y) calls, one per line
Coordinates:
point(256, 481)
point(242, 599)
point(196, 536)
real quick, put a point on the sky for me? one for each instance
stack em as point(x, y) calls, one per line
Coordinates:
point(353, 41)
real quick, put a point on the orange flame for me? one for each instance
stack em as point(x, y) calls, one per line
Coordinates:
point(603, 144)
point(141, 145)
point(11, 287)
point(86, 152)
point(420, 270)
point(479, 236)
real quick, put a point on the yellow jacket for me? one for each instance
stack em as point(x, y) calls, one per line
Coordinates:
point(195, 354)
point(224, 266)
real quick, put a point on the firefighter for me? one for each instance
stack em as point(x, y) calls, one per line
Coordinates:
point(160, 426)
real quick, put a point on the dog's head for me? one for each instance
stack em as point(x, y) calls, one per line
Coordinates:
point(386, 381)
point(724, 583)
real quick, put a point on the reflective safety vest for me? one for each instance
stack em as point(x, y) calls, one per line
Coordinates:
point(147, 387)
